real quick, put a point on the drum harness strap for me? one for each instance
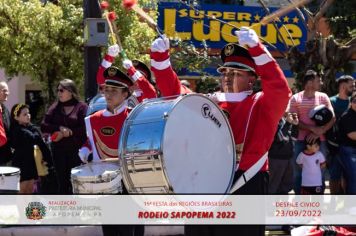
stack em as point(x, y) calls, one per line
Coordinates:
point(253, 170)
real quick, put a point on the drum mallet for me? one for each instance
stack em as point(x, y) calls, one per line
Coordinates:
point(132, 5)
point(110, 18)
point(280, 12)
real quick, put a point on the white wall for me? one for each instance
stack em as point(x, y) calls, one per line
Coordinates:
point(17, 87)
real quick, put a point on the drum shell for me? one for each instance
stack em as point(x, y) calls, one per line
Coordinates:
point(142, 147)
point(9, 179)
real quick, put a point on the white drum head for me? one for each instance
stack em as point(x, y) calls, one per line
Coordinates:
point(198, 147)
point(9, 178)
point(95, 171)
point(7, 171)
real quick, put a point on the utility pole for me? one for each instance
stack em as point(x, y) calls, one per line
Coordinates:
point(92, 56)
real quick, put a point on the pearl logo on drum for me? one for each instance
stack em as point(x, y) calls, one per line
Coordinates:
point(206, 112)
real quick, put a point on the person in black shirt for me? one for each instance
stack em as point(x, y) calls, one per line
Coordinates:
point(280, 155)
point(24, 135)
point(347, 131)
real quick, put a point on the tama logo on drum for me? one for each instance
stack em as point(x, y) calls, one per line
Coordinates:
point(206, 112)
point(107, 131)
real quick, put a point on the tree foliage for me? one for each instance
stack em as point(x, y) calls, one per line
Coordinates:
point(207, 85)
point(186, 56)
point(135, 35)
point(342, 19)
point(45, 41)
point(330, 54)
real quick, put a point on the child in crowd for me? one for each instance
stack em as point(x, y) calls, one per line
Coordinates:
point(24, 136)
point(311, 161)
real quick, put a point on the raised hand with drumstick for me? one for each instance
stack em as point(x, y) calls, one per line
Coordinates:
point(167, 80)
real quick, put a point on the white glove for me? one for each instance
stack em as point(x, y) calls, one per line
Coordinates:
point(114, 50)
point(127, 64)
point(83, 154)
point(160, 44)
point(247, 37)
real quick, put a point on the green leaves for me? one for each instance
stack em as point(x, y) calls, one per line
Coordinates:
point(42, 41)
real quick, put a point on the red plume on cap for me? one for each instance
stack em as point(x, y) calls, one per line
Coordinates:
point(104, 5)
point(112, 16)
point(128, 4)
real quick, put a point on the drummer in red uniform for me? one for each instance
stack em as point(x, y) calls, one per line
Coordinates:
point(103, 127)
point(253, 117)
point(103, 131)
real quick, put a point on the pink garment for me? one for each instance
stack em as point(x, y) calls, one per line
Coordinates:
point(302, 105)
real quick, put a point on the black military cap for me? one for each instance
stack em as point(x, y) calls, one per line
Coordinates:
point(116, 78)
point(143, 68)
point(237, 57)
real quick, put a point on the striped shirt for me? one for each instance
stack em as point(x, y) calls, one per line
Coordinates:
point(301, 105)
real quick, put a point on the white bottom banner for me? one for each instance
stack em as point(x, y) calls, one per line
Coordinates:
point(178, 209)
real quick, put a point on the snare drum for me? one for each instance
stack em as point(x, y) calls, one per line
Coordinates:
point(9, 179)
point(182, 145)
point(96, 178)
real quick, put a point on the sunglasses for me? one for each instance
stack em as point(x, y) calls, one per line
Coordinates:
point(61, 90)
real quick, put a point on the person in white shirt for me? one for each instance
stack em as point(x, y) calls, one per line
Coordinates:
point(311, 161)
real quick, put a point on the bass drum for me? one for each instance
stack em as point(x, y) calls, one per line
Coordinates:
point(183, 145)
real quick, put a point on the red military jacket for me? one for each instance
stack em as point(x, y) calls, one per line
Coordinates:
point(103, 131)
point(253, 126)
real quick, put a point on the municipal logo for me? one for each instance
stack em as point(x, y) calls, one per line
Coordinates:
point(35, 211)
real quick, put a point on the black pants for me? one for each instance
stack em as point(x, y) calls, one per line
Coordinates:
point(64, 161)
point(258, 185)
point(123, 230)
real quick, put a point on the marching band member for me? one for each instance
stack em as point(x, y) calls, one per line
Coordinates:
point(143, 87)
point(253, 117)
point(137, 70)
point(104, 126)
point(103, 131)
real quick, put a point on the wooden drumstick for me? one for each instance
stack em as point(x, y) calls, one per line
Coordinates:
point(132, 5)
point(112, 33)
point(123, 53)
point(281, 12)
point(104, 6)
point(110, 18)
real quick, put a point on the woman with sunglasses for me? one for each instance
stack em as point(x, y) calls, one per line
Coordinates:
point(64, 121)
point(347, 129)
